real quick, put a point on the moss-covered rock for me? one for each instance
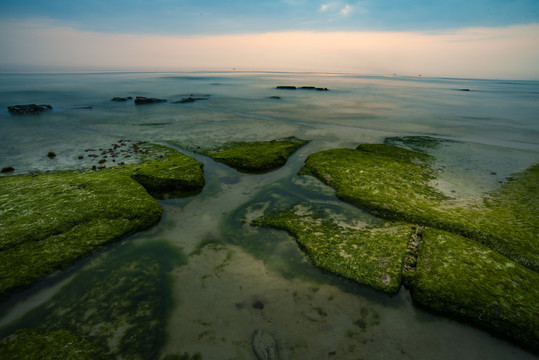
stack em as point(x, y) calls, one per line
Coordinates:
point(121, 301)
point(390, 186)
point(395, 183)
point(52, 219)
point(460, 277)
point(32, 344)
point(254, 157)
point(371, 256)
point(173, 174)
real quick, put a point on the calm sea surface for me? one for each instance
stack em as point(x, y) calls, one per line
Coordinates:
point(250, 278)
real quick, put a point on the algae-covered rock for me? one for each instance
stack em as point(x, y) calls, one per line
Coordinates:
point(257, 156)
point(395, 183)
point(385, 181)
point(371, 256)
point(460, 277)
point(172, 175)
point(52, 219)
point(33, 344)
point(122, 300)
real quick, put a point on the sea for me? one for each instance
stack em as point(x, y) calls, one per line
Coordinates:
point(230, 278)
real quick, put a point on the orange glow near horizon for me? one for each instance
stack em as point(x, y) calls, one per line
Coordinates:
point(510, 52)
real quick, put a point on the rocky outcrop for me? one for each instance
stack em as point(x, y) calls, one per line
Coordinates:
point(121, 99)
point(189, 99)
point(141, 100)
point(84, 211)
point(28, 109)
point(292, 87)
point(286, 87)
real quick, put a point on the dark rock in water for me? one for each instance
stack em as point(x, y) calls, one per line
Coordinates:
point(51, 154)
point(286, 87)
point(264, 346)
point(8, 169)
point(289, 87)
point(28, 109)
point(189, 99)
point(275, 97)
point(121, 99)
point(83, 108)
point(258, 305)
point(140, 100)
point(464, 89)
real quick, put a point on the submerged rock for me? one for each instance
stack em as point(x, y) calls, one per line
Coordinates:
point(141, 100)
point(122, 301)
point(52, 344)
point(264, 345)
point(8, 169)
point(28, 109)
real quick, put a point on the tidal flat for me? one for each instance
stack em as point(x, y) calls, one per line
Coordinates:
point(204, 280)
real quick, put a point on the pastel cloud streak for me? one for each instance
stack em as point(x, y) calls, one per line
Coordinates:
point(508, 52)
point(343, 8)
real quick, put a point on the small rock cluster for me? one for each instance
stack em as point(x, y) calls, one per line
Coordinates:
point(292, 87)
point(122, 150)
point(28, 109)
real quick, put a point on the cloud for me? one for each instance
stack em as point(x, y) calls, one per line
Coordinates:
point(509, 52)
point(336, 7)
point(346, 10)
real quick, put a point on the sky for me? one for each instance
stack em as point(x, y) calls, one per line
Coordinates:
point(451, 38)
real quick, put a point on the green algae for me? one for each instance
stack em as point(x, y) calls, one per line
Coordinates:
point(466, 279)
point(395, 183)
point(51, 219)
point(476, 259)
point(367, 255)
point(384, 184)
point(279, 252)
point(121, 301)
point(172, 175)
point(256, 156)
point(32, 344)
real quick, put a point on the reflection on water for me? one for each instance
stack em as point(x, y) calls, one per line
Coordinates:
point(204, 280)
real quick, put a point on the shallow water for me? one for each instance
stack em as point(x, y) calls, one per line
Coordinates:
point(213, 298)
